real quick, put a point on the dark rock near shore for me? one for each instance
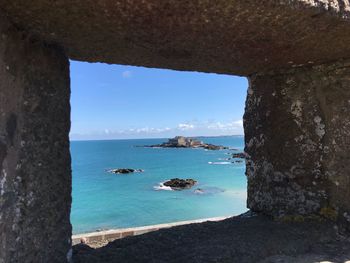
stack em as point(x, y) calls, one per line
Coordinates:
point(125, 171)
point(185, 142)
point(180, 184)
point(238, 155)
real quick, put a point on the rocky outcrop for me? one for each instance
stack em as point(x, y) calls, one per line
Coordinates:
point(238, 155)
point(180, 184)
point(186, 142)
point(125, 171)
point(213, 147)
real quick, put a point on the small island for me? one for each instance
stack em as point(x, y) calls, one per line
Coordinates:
point(186, 142)
point(180, 184)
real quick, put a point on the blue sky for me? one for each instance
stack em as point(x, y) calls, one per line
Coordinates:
point(124, 102)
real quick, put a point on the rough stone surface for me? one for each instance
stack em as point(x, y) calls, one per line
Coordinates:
point(297, 133)
point(237, 37)
point(296, 122)
point(35, 173)
point(255, 239)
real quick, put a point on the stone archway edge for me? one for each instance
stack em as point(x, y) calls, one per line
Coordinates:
point(239, 37)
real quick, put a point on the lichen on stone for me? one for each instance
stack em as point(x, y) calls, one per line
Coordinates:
point(329, 213)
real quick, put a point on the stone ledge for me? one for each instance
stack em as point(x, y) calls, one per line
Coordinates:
point(99, 238)
point(245, 239)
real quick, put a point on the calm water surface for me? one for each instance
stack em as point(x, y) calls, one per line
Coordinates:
point(102, 200)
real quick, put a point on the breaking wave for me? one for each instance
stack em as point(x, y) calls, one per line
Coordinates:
point(163, 187)
point(219, 163)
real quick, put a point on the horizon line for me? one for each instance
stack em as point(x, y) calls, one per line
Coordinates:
point(124, 139)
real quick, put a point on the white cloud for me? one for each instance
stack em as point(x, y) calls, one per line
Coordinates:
point(165, 129)
point(185, 127)
point(196, 128)
point(145, 129)
point(127, 74)
point(148, 130)
point(228, 126)
point(239, 123)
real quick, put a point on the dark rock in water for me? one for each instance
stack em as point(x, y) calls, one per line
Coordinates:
point(238, 155)
point(179, 184)
point(213, 147)
point(238, 161)
point(185, 142)
point(126, 171)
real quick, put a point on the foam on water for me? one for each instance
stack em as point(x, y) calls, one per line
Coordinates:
point(218, 163)
point(223, 159)
point(161, 186)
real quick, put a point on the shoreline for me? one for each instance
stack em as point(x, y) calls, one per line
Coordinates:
point(101, 238)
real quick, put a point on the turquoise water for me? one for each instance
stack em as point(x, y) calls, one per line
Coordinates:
point(103, 200)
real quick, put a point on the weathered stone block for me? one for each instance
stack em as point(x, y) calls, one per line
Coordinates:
point(235, 37)
point(297, 128)
point(35, 173)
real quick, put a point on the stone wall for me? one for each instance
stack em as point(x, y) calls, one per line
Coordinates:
point(238, 37)
point(297, 120)
point(297, 128)
point(35, 173)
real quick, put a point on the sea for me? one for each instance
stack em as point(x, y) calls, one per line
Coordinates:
point(104, 200)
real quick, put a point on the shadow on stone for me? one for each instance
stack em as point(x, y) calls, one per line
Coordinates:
point(238, 239)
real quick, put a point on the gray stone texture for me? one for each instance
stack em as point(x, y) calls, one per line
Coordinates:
point(297, 115)
point(237, 37)
point(297, 133)
point(35, 173)
point(242, 239)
